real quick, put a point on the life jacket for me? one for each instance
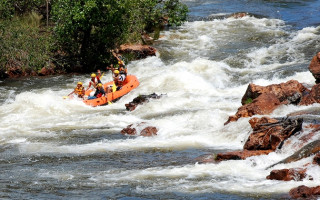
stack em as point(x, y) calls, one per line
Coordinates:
point(99, 95)
point(78, 91)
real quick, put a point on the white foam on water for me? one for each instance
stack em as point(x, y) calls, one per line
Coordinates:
point(200, 95)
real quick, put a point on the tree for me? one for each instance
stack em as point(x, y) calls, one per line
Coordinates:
point(87, 29)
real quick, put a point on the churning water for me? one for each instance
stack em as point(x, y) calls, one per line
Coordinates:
point(51, 148)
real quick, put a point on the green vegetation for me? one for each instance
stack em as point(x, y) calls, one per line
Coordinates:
point(22, 44)
point(249, 100)
point(81, 32)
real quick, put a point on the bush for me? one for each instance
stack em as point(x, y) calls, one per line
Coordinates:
point(23, 43)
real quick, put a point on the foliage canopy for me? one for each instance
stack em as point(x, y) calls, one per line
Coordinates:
point(87, 29)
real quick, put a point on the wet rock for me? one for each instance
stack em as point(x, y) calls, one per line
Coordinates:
point(316, 159)
point(141, 100)
point(314, 67)
point(140, 129)
point(239, 15)
point(304, 192)
point(297, 174)
point(149, 131)
point(240, 155)
point(312, 97)
point(289, 92)
point(207, 158)
point(268, 134)
point(137, 50)
point(264, 104)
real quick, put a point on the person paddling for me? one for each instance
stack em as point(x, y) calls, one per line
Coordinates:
point(121, 65)
point(94, 80)
point(79, 90)
point(99, 92)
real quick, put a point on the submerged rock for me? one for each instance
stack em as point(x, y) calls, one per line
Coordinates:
point(141, 100)
point(240, 155)
point(140, 129)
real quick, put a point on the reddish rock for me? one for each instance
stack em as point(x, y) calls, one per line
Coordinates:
point(46, 71)
point(312, 97)
point(239, 15)
point(304, 192)
point(289, 92)
point(297, 174)
point(316, 159)
point(240, 155)
point(140, 51)
point(314, 67)
point(149, 131)
point(269, 133)
point(207, 158)
point(14, 72)
point(140, 129)
point(129, 130)
point(262, 105)
point(141, 100)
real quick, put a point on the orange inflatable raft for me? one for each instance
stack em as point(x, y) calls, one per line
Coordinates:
point(130, 83)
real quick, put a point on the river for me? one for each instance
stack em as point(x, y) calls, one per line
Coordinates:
point(52, 148)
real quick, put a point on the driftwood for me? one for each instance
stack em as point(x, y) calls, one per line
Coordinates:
point(306, 151)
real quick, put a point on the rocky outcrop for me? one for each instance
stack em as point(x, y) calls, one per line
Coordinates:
point(305, 192)
point(314, 67)
point(240, 155)
point(137, 50)
point(287, 93)
point(297, 174)
point(260, 100)
point(141, 129)
point(141, 100)
point(262, 105)
point(269, 133)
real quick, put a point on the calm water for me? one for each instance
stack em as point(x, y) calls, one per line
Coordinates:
point(52, 148)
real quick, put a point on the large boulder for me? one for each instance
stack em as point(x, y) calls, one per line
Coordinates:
point(269, 133)
point(264, 104)
point(304, 192)
point(289, 92)
point(314, 67)
point(297, 174)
